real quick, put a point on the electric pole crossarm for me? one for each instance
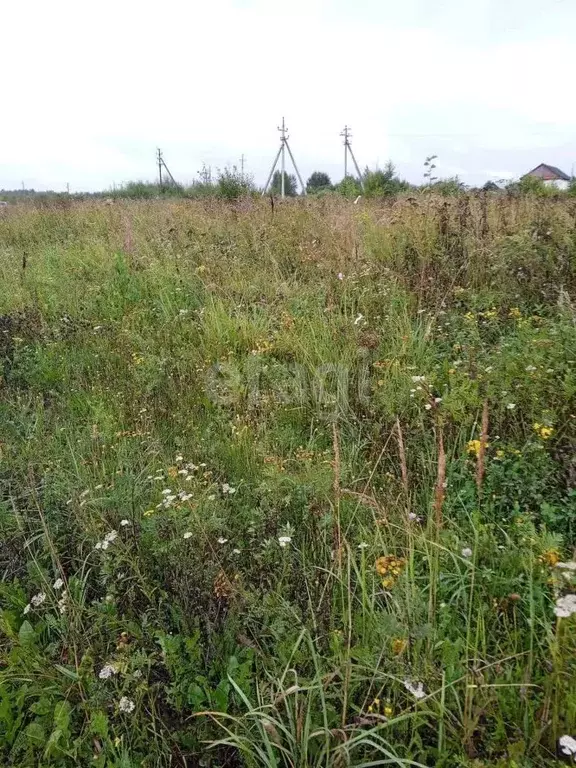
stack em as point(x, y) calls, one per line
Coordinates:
point(272, 171)
point(296, 168)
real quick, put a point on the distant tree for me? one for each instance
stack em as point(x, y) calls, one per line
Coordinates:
point(383, 183)
point(349, 187)
point(232, 184)
point(448, 187)
point(290, 186)
point(317, 181)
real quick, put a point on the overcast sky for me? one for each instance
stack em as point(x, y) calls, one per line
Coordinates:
point(90, 89)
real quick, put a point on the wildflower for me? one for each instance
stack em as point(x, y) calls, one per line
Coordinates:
point(567, 745)
point(284, 540)
point(107, 671)
point(124, 523)
point(110, 537)
point(388, 711)
point(416, 689)
point(530, 368)
point(166, 491)
point(222, 540)
point(188, 535)
point(510, 406)
point(38, 599)
point(388, 582)
point(418, 379)
point(98, 545)
point(228, 489)
point(235, 551)
point(148, 513)
point(179, 458)
point(340, 276)
point(212, 497)
point(428, 406)
point(500, 454)
point(63, 603)
point(412, 516)
point(390, 565)
point(184, 496)
point(172, 472)
point(565, 606)
point(551, 557)
point(399, 645)
point(58, 584)
point(543, 431)
point(362, 545)
point(466, 552)
point(473, 446)
point(137, 674)
point(126, 705)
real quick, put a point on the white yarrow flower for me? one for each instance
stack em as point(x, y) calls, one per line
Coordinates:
point(340, 276)
point(38, 599)
point(284, 540)
point(58, 584)
point(107, 671)
point(188, 535)
point(126, 705)
point(110, 537)
point(222, 540)
point(416, 689)
point(124, 523)
point(363, 545)
point(510, 406)
point(228, 488)
point(466, 552)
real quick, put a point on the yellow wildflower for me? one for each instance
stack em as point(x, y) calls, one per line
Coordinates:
point(551, 557)
point(388, 711)
point(515, 312)
point(500, 454)
point(399, 645)
point(148, 513)
point(543, 431)
point(473, 446)
point(173, 472)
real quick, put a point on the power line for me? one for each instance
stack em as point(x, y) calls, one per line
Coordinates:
point(162, 166)
point(281, 154)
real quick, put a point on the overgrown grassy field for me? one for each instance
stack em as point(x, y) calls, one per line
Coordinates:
point(290, 487)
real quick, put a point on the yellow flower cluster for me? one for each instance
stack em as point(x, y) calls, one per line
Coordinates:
point(473, 447)
point(543, 431)
point(376, 708)
point(389, 567)
point(551, 557)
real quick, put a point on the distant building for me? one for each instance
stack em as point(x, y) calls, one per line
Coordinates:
point(550, 175)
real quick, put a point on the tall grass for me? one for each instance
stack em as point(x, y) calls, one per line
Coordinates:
point(289, 486)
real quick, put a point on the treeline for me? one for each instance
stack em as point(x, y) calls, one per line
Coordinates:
point(232, 184)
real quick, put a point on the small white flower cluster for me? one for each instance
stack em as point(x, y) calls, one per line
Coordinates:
point(107, 540)
point(188, 535)
point(107, 671)
point(416, 689)
point(222, 540)
point(124, 523)
point(284, 540)
point(35, 602)
point(227, 489)
point(466, 552)
point(565, 606)
point(126, 705)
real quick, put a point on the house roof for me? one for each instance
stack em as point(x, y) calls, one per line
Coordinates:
point(548, 173)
